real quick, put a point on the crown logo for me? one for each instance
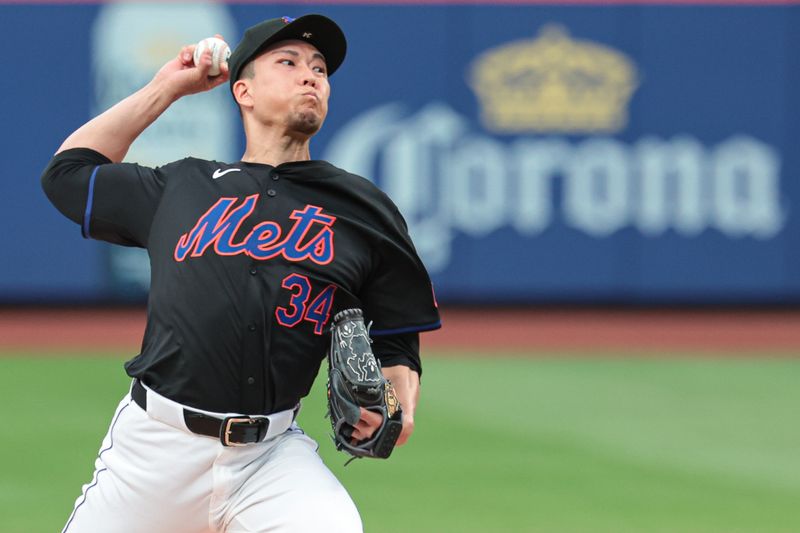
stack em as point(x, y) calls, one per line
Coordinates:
point(553, 83)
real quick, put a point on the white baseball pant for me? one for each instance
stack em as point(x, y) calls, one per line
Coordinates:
point(151, 477)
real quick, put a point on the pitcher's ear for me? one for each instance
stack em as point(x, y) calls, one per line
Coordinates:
point(241, 92)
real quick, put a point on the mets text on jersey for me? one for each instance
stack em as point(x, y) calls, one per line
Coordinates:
point(219, 225)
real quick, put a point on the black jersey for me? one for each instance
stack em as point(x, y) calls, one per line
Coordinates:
point(248, 264)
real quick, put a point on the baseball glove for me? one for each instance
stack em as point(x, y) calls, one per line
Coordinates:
point(355, 380)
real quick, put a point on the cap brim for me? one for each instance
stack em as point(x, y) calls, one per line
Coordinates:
point(318, 30)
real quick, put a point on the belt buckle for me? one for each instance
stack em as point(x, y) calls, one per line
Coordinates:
point(227, 429)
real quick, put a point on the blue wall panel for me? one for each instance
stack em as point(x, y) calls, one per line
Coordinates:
point(687, 194)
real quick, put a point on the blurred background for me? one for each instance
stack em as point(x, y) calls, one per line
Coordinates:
point(604, 193)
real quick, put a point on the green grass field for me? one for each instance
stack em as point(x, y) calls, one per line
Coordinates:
point(546, 444)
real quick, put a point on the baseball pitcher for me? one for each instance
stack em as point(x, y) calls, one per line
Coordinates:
point(261, 269)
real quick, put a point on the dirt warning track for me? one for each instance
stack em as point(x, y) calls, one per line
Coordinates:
point(463, 329)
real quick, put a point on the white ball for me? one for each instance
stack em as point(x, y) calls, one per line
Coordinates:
point(220, 51)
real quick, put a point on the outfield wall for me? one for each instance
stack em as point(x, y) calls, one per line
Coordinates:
point(556, 153)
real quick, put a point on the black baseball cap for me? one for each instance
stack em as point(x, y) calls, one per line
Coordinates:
point(317, 30)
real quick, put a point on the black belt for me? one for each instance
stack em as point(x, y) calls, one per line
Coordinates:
point(236, 430)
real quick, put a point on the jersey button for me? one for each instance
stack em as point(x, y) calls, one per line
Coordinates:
point(251, 327)
point(271, 192)
point(251, 380)
point(253, 271)
point(275, 177)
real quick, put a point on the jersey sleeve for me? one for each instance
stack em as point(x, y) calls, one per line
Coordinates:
point(400, 349)
point(113, 202)
point(398, 295)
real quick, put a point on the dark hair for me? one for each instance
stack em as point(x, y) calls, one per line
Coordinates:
point(248, 71)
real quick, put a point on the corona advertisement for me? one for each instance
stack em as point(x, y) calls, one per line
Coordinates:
point(539, 153)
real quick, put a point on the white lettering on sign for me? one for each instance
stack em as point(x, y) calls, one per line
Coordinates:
point(448, 179)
